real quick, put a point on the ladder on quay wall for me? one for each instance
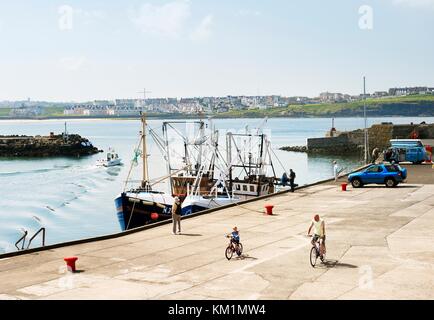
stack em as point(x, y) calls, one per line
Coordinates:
point(22, 240)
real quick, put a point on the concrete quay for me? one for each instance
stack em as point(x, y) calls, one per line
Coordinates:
point(379, 244)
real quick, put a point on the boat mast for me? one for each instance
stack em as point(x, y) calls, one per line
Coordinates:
point(229, 158)
point(166, 144)
point(145, 180)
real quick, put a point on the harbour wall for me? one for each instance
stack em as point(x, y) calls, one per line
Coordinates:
point(379, 136)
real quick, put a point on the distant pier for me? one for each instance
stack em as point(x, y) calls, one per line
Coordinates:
point(46, 146)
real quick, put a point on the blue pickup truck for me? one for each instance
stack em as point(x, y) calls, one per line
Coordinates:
point(389, 174)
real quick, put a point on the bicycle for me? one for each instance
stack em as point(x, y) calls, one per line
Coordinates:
point(230, 250)
point(315, 252)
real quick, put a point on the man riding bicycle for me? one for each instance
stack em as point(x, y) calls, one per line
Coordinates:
point(319, 233)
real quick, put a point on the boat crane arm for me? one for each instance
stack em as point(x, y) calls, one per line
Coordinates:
point(131, 166)
point(158, 140)
point(278, 160)
point(262, 124)
point(158, 180)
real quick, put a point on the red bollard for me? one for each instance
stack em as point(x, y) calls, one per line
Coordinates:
point(269, 209)
point(70, 263)
point(344, 186)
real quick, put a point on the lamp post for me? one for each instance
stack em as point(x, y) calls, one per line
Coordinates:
point(366, 122)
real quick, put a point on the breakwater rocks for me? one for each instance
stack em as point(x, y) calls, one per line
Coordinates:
point(72, 145)
point(294, 148)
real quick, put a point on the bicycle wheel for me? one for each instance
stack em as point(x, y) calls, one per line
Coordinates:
point(229, 252)
point(240, 249)
point(313, 256)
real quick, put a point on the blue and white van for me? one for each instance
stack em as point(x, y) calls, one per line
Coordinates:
point(406, 150)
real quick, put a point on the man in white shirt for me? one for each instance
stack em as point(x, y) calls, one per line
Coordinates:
point(335, 170)
point(319, 232)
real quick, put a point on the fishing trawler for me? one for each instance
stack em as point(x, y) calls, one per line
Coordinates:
point(142, 205)
point(229, 188)
point(184, 172)
point(197, 200)
point(251, 164)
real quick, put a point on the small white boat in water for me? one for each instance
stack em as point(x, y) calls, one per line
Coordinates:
point(111, 160)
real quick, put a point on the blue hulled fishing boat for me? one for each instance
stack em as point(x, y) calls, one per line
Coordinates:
point(141, 206)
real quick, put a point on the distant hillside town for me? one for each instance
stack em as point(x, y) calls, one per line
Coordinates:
point(208, 105)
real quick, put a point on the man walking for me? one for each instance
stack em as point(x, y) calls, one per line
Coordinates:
point(292, 179)
point(176, 215)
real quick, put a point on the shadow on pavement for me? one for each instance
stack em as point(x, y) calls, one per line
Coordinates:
point(246, 256)
point(384, 187)
point(337, 264)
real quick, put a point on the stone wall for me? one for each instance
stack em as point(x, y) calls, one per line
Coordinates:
point(379, 137)
point(332, 145)
point(424, 131)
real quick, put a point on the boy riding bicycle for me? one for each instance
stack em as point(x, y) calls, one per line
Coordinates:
point(235, 238)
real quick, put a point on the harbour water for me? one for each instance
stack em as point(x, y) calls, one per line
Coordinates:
point(73, 198)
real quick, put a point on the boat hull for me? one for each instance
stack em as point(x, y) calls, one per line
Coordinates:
point(111, 163)
point(193, 208)
point(133, 212)
point(194, 204)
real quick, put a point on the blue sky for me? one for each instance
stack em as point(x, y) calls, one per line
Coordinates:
point(83, 50)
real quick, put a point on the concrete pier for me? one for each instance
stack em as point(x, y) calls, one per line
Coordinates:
point(379, 244)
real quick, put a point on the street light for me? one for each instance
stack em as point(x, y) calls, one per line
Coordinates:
point(366, 122)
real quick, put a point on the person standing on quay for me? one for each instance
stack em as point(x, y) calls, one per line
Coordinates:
point(335, 170)
point(176, 215)
point(284, 180)
point(292, 179)
point(375, 155)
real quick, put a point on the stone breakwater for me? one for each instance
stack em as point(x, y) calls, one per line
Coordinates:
point(379, 136)
point(295, 149)
point(71, 145)
point(352, 142)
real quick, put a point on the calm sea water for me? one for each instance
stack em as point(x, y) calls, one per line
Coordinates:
point(73, 198)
